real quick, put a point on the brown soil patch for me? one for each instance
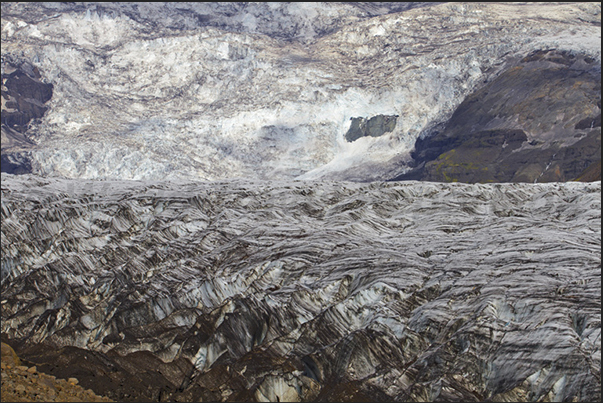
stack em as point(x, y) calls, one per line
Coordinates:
point(21, 383)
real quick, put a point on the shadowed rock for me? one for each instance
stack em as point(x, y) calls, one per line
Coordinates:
point(554, 96)
point(23, 99)
point(375, 127)
point(24, 96)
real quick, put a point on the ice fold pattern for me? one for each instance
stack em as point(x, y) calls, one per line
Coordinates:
point(417, 290)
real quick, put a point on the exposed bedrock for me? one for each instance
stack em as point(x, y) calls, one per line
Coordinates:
point(539, 121)
point(249, 291)
point(23, 97)
point(16, 163)
point(375, 127)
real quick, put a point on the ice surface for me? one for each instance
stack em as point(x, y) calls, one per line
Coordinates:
point(156, 90)
point(494, 288)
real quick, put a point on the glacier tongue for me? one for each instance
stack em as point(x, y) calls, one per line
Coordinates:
point(313, 290)
point(194, 255)
point(264, 91)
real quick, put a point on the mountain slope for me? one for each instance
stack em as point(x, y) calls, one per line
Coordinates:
point(538, 121)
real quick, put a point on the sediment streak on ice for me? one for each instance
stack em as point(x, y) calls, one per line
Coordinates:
point(494, 286)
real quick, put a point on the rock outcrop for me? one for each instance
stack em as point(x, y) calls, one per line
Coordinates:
point(243, 291)
point(21, 383)
point(375, 127)
point(591, 174)
point(539, 121)
point(24, 96)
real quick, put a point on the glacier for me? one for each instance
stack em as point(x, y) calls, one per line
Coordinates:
point(262, 90)
point(307, 290)
point(195, 223)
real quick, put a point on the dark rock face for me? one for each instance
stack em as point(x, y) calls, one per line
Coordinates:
point(375, 127)
point(591, 174)
point(15, 163)
point(589, 123)
point(24, 96)
point(539, 121)
point(23, 99)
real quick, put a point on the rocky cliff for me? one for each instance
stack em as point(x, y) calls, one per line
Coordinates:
point(23, 99)
point(538, 121)
point(301, 291)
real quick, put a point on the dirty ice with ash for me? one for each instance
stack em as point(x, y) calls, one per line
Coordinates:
point(191, 231)
point(265, 90)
